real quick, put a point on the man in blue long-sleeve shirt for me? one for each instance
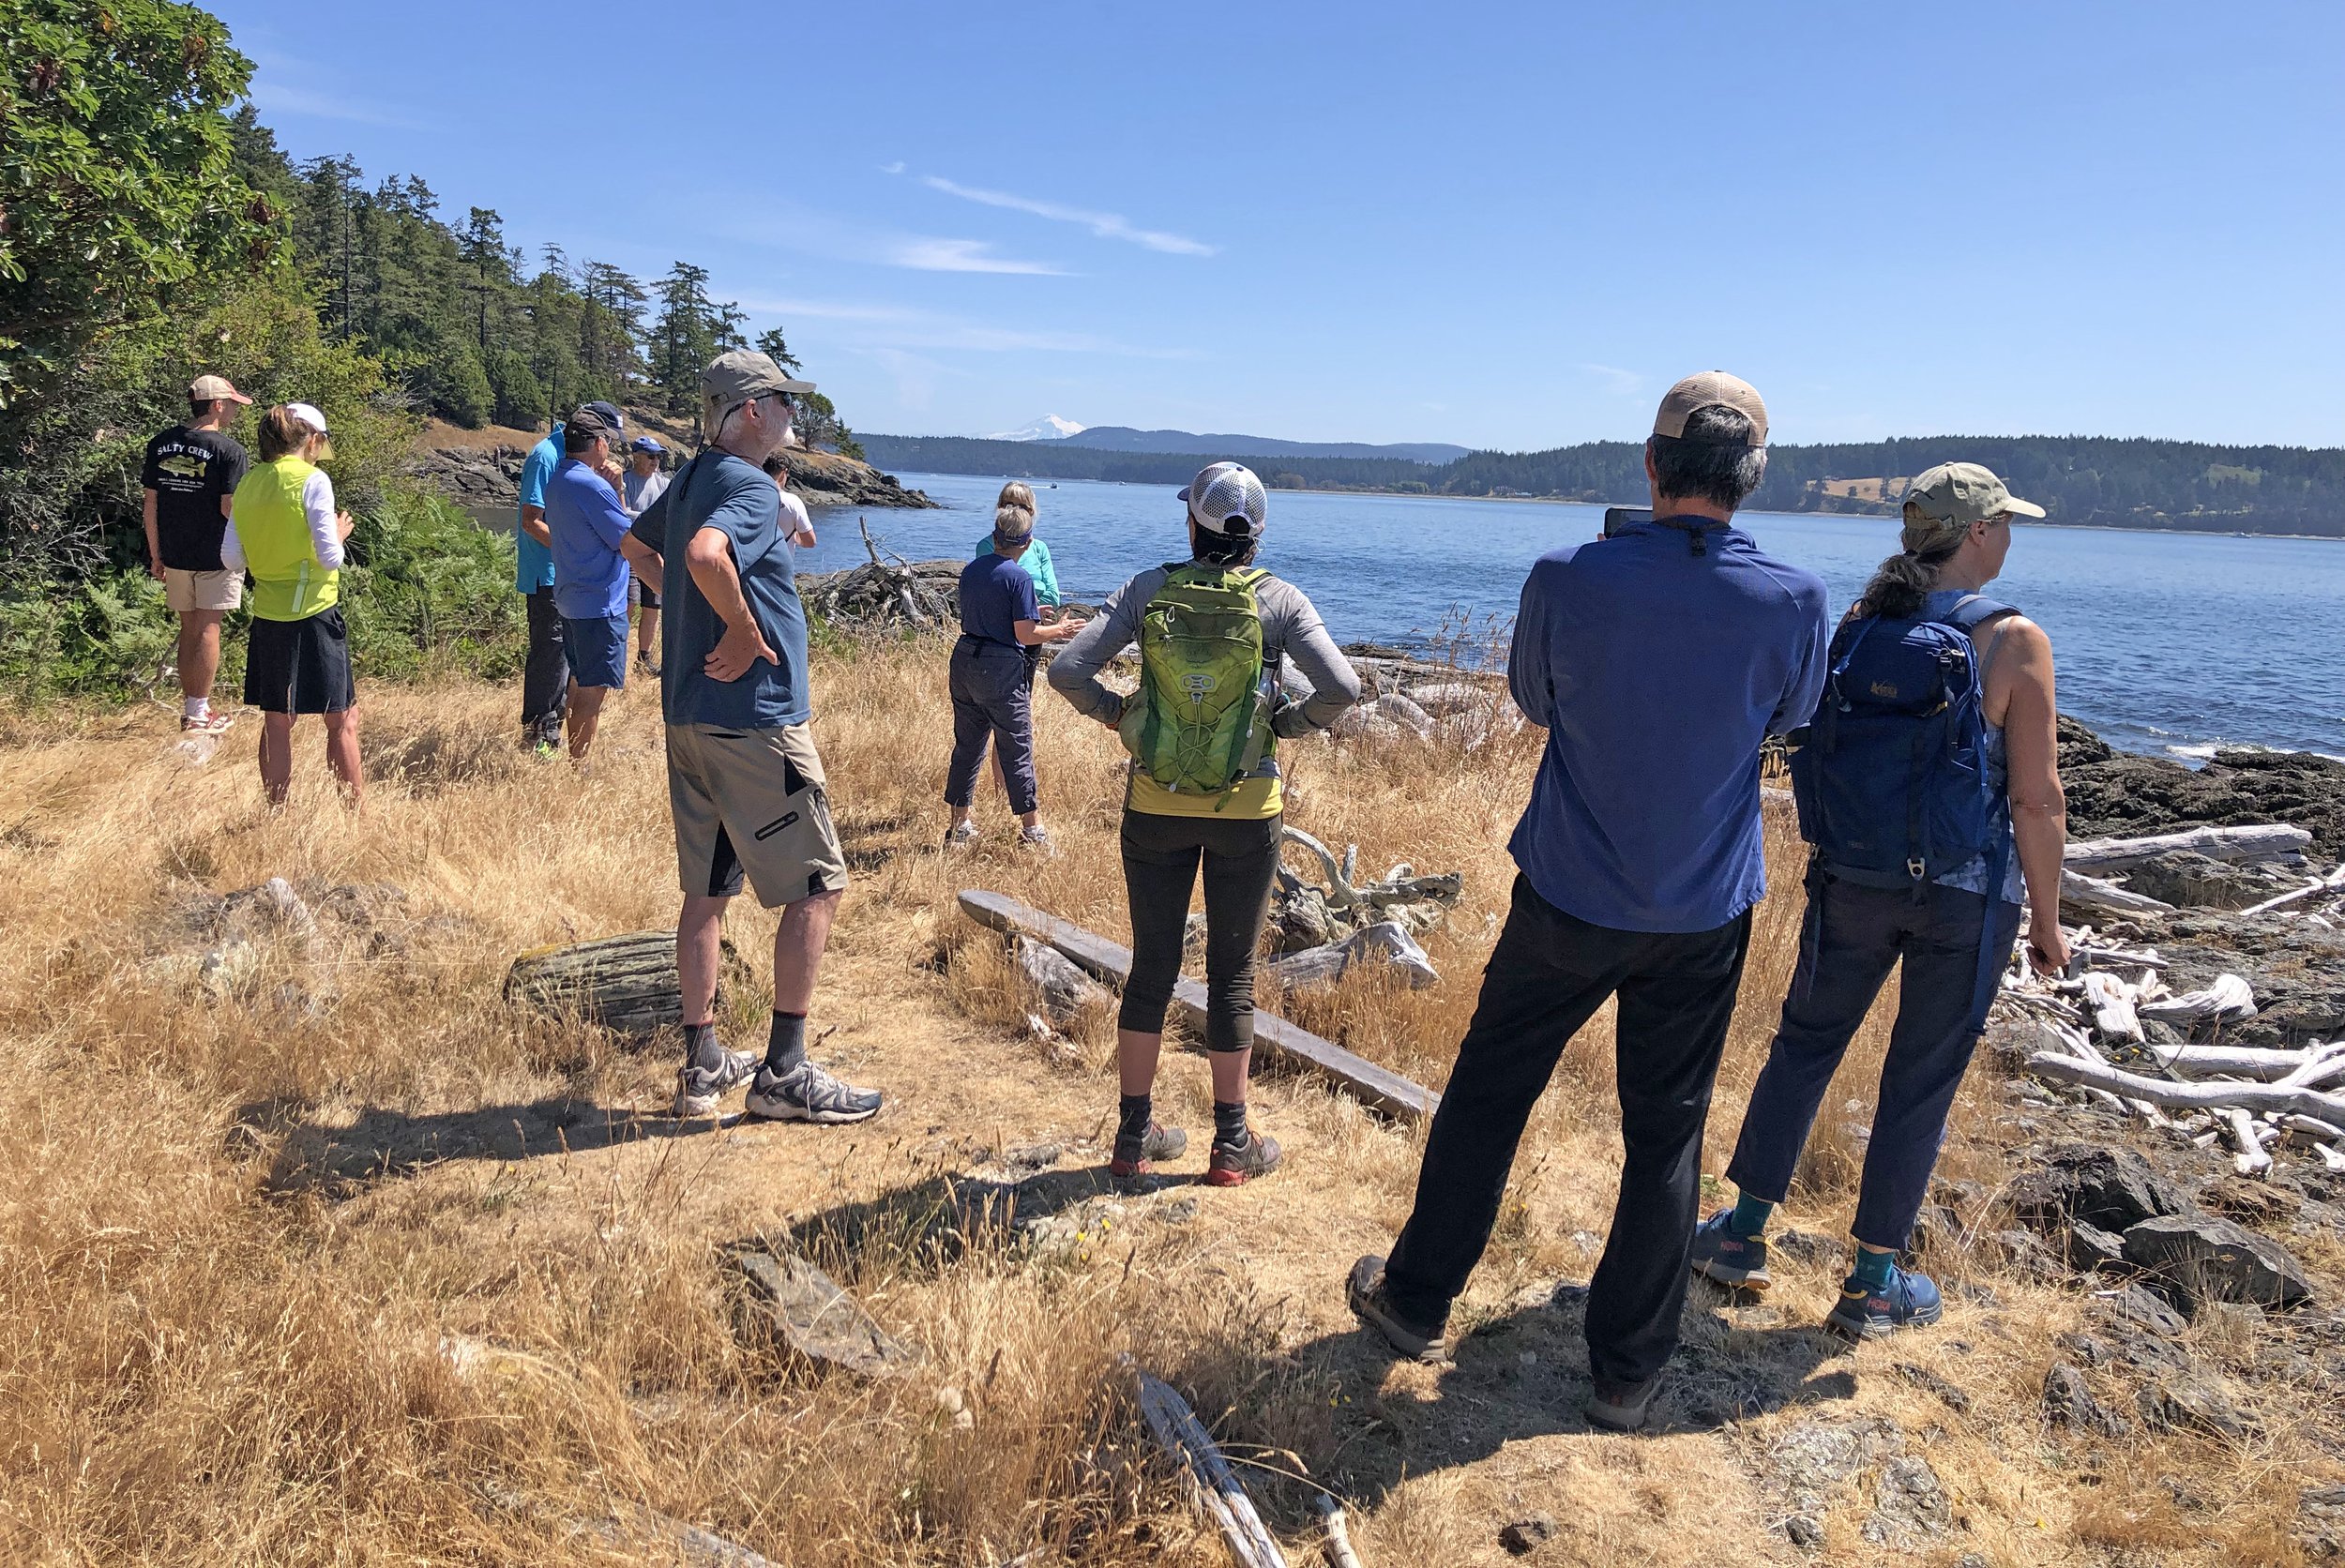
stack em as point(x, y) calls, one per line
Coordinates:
point(1658, 660)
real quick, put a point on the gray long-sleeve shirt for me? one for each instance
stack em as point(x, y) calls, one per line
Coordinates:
point(1291, 630)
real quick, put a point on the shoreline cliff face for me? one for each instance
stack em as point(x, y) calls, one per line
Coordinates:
point(489, 476)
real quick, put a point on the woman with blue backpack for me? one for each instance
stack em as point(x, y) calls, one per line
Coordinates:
point(1928, 785)
point(1203, 789)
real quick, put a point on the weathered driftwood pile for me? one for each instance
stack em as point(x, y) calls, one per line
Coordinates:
point(886, 592)
point(1320, 932)
point(1440, 703)
point(2117, 1030)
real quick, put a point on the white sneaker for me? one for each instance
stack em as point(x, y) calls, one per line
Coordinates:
point(959, 834)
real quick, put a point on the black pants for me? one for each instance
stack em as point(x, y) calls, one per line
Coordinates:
point(992, 691)
point(1547, 976)
point(1851, 939)
point(1160, 859)
point(546, 678)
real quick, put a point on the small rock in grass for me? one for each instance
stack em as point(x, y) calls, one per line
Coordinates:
point(1526, 1535)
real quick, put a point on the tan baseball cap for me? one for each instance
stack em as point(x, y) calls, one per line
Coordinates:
point(204, 389)
point(1711, 390)
point(733, 378)
point(1965, 492)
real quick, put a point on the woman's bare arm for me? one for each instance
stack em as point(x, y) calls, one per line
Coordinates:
point(2021, 684)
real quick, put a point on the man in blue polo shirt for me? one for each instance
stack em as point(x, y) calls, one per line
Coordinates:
point(546, 675)
point(1658, 660)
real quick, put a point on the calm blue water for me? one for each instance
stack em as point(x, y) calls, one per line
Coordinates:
point(2164, 642)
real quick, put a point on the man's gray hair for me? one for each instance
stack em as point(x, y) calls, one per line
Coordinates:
point(1712, 462)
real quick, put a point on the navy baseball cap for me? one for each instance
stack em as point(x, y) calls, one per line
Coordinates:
point(608, 413)
point(649, 443)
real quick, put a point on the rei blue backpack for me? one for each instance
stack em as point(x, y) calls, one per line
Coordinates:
point(1890, 777)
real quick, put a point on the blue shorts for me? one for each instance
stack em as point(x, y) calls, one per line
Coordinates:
point(598, 650)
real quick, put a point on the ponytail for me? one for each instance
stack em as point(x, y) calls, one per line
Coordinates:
point(1901, 584)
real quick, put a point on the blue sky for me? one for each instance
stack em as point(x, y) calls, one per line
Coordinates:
point(1500, 225)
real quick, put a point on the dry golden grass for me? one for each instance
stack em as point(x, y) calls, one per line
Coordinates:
point(236, 1230)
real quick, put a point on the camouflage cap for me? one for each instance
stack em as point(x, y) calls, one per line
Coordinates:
point(1965, 494)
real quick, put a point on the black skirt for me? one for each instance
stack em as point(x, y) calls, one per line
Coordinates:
point(299, 666)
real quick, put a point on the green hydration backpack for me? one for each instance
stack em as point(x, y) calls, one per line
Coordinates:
point(1201, 718)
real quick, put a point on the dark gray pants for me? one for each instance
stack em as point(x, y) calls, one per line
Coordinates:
point(546, 678)
point(992, 692)
point(1160, 859)
point(1547, 976)
point(1852, 939)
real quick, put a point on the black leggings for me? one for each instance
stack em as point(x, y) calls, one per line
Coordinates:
point(1160, 857)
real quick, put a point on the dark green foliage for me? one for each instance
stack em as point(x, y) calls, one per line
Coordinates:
point(431, 591)
point(2077, 479)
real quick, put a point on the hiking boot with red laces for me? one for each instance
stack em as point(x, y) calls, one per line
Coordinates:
point(1234, 1165)
point(1136, 1153)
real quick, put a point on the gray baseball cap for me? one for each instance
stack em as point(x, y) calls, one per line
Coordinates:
point(1227, 498)
point(733, 378)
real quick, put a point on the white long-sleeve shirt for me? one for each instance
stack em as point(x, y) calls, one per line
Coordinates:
point(317, 504)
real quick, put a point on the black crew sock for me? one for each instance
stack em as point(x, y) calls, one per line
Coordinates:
point(1133, 1113)
point(785, 1044)
point(1229, 1124)
point(702, 1048)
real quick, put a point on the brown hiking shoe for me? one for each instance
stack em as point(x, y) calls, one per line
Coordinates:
point(1135, 1157)
point(1234, 1165)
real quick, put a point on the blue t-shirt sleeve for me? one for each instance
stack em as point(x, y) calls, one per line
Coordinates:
point(533, 476)
point(604, 514)
point(1527, 676)
point(1806, 686)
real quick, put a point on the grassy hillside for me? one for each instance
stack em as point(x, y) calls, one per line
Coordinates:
point(242, 1216)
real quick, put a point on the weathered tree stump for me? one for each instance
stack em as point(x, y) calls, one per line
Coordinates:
point(627, 983)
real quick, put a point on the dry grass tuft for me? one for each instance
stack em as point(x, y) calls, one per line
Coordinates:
point(239, 1217)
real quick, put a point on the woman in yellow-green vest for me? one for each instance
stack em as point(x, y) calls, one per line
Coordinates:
point(283, 529)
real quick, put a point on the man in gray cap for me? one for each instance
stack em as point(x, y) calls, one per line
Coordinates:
point(1656, 659)
point(744, 780)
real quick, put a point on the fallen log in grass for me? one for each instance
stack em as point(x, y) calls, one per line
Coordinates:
point(627, 983)
point(1274, 1036)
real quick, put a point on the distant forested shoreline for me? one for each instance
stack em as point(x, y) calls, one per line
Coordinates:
point(2085, 481)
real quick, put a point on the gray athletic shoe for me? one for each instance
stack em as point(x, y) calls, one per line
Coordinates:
point(698, 1090)
point(1620, 1406)
point(1037, 837)
point(807, 1093)
point(1365, 1293)
point(960, 833)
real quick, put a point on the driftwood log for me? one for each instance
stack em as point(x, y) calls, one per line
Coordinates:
point(627, 983)
point(806, 1310)
point(1213, 1486)
point(2103, 897)
point(1274, 1036)
point(2240, 845)
point(2265, 1099)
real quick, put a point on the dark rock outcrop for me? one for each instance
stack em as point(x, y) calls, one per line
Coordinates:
point(2107, 1188)
point(2186, 879)
point(2205, 1259)
point(2115, 793)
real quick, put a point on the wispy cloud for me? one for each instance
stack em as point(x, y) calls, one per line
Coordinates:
point(895, 168)
point(926, 254)
point(1104, 225)
point(309, 103)
point(1616, 379)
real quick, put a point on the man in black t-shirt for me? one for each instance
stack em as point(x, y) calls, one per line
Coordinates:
point(192, 473)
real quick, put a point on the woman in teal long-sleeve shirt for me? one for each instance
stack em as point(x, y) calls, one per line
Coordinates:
point(1038, 557)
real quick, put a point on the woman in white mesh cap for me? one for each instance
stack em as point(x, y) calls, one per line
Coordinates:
point(1203, 789)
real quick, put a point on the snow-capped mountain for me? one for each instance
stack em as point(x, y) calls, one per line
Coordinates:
point(1049, 427)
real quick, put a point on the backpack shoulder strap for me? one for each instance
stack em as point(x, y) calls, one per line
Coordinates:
point(1974, 610)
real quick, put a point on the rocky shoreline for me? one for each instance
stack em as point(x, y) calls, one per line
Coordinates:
point(488, 476)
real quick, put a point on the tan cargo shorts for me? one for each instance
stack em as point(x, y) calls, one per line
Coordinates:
point(751, 801)
point(187, 591)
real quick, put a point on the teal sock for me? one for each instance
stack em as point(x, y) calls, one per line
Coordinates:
point(1750, 1215)
point(1872, 1269)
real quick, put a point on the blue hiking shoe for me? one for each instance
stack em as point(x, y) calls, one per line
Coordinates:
point(1908, 1301)
point(1731, 1258)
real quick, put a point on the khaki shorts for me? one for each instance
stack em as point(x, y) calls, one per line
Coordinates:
point(753, 801)
point(185, 591)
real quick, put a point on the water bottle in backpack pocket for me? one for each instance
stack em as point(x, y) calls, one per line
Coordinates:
point(1201, 719)
point(1891, 777)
